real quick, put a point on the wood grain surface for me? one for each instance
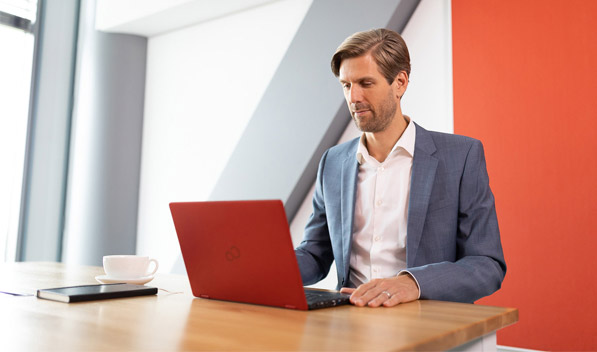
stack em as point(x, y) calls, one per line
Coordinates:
point(175, 320)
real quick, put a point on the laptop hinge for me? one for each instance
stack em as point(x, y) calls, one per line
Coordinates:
point(203, 296)
point(290, 306)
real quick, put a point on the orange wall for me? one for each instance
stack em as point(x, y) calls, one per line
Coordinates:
point(525, 83)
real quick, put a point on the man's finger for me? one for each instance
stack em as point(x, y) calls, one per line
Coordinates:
point(362, 297)
point(392, 301)
point(355, 294)
point(348, 290)
point(380, 299)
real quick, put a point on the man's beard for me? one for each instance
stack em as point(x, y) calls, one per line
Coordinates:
point(379, 120)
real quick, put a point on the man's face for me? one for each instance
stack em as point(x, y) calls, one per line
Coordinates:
point(371, 100)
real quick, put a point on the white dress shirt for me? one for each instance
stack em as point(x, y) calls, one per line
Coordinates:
point(381, 211)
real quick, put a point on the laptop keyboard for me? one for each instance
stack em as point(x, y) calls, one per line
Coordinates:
point(323, 299)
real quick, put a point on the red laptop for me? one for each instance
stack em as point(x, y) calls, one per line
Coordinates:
point(242, 251)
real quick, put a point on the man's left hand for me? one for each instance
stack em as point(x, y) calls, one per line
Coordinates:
point(387, 292)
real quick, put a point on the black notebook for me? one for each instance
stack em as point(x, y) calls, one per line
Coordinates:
point(94, 292)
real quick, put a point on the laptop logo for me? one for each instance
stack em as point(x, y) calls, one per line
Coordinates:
point(232, 254)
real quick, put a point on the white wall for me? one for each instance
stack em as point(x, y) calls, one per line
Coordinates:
point(203, 84)
point(428, 35)
point(428, 99)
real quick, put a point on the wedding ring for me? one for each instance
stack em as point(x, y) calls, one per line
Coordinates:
point(388, 294)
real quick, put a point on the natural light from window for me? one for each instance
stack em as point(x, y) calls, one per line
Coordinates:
point(15, 82)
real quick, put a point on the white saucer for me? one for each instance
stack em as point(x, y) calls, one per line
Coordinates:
point(105, 279)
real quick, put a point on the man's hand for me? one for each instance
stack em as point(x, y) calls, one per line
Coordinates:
point(387, 292)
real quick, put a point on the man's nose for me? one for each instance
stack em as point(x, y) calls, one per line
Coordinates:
point(355, 95)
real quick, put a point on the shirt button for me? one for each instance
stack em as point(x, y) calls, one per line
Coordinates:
point(378, 203)
point(377, 238)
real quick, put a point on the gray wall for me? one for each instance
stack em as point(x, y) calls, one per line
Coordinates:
point(44, 183)
point(302, 112)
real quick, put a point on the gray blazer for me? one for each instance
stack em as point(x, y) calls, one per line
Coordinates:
point(453, 245)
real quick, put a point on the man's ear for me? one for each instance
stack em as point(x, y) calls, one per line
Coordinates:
point(400, 83)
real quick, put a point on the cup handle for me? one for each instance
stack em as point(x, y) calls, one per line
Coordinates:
point(154, 269)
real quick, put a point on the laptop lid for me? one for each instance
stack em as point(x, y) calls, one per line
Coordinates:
point(239, 251)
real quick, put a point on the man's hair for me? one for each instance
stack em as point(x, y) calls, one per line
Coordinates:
point(387, 48)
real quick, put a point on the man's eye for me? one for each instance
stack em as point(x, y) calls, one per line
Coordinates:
point(366, 84)
point(345, 85)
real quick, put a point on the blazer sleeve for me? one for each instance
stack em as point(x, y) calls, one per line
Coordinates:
point(480, 266)
point(314, 254)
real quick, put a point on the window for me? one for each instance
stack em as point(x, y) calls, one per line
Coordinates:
point(17, 18)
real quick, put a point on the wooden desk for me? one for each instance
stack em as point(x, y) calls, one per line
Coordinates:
point(177, 321)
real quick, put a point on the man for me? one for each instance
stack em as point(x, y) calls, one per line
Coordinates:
point(406, 213)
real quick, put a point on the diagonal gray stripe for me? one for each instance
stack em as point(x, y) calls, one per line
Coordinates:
point(302, 112)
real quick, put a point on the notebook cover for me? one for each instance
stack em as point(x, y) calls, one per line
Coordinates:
point(94, 292)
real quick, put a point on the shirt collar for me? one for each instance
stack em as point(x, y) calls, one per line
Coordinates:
point(406, 142)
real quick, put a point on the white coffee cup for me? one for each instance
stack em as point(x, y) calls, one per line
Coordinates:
point(129, 266)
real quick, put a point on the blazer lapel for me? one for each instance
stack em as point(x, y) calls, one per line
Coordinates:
point(421, 184)
point(350, 169)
